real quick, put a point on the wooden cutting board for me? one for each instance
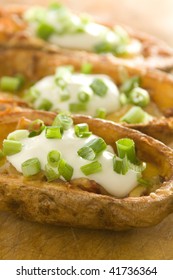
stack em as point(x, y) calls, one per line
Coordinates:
point(20, 239)
point(24, 240)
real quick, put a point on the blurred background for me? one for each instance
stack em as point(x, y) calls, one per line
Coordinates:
point(152, 16)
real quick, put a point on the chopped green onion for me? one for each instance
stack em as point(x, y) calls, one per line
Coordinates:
point(11, 147)
point(126, 147)
point(53, 158)
point(101, 113)
point(92, 149)
point(31, 95)
point(129, 84)
point(44, 30)
point(31, 167)
point(64, 95)
point(63, 75)
point(18, 134)
point(50, 173)
point(63, 120)
point(10, 83)
point(1, 154)
point(123, 99)
point(103, 47)
point(120, 165)
point(91, 168)
point(55, 6)
point(86, 68)
point(36, 127)
point(82, 130)
point(144, 182)
point(77, 107)
point(99, 87)
point(45, 105)
point(138, 167)
point(65, 170)
point(53, 132)
point(134, 115)
point(139, 97)
point(84, 96)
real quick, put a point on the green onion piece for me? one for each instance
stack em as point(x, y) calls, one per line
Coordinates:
point(53, 132)
point(77, 107)
point(65, 170)
point(45, 105)
point(123, 99)
point(84, 96)
point(92, 149)
point(50, 173)
point(91, 168)
point(139, 97)
point(44, 30)
point(86, 153)
point(53, 158)
point(63, 75)
point(10, 83)
point(18, 134)
point(1, 154)
point(101, 113)
point(82, 130)
point(99, 87)
point(11, 147)
point(131, 83)
point(21, 79)
point(103, 47)
point(126, 147)
point(144, 182)
point(55, 6)
point(64, 95)
point(138, 167)
point(36, 127)
point(63, 120)
point(86, 68)
point(120, 165)
point(31, 167)
point(134, 115)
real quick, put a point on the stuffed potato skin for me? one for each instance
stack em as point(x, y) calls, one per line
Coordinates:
point(59, 203)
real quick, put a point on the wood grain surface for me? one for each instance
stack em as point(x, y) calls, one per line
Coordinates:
point(21, 239)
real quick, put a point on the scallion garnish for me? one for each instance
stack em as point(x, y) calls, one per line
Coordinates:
point(123, 99)
point(63, 75)
point(18, 134)
point(84, 96)
point(63, 120)
point(120, 165)
point(11, 147)
point(64, 95)
point(53, 132)
point(10, 83)
point(45, 105)
point(126, 147)
point(45, 30)
point(77, 107)
point(99, 87)
point(50, 173)
point(31, 167)
point(82, 130)
point(36, 127)
point(134, 115)
point(53, 158)
point(31, 95)
point(91, 168)
point(101, 113)
point(65, 170)
point(139, 96)
point(129, 84)
point(86, 68)
point(92, 149)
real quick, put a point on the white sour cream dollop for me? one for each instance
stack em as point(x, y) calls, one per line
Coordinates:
point(39, 146)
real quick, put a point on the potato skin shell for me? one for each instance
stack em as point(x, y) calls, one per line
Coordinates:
point(57, 203)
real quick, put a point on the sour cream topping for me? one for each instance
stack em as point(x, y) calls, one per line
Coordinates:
point(39, 146)
point(49, 90)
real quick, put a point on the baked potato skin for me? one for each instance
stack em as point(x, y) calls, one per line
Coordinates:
point(35, 64)
point(156, 53)
point(59, 203)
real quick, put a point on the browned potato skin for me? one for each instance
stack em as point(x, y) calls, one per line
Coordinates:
point(13, 29)
point(58, 203)
point(35, 64)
